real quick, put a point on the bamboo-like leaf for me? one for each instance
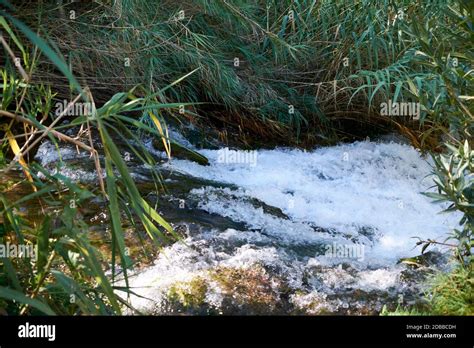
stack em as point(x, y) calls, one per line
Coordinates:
point(117, 230)
point(11, 273)
point(16, 150)
point(164, 136)
point(46, 49)
point(13, 295)
point(43, 243)
point(71, 287)
point(10, 32)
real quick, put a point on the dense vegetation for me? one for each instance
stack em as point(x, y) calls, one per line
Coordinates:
point(251, 73)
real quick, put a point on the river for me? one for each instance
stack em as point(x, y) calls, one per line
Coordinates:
point(288, 231)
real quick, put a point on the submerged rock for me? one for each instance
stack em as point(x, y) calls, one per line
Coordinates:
point(224, 290)
point(188, 296)
point(248, 291)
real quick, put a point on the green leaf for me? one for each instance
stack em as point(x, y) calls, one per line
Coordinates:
point(14, 295)
point(43, 243)
point(71, 287)
point(47, 50)
point(10, 32)
point(425, 247)
point(11, 273)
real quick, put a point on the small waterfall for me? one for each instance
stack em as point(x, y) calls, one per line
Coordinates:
point(324, 231)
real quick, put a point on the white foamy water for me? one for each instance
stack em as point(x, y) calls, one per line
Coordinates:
point(363, 195)
point(346, 188)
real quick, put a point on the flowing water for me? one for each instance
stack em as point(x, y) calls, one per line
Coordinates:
point(287, 231)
